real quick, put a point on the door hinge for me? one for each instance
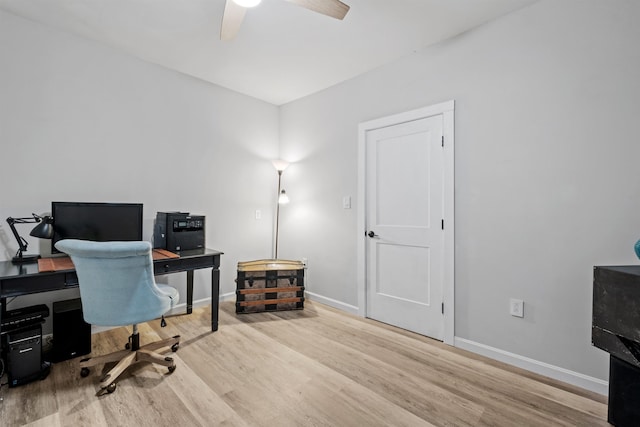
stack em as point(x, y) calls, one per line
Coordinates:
point(442, 224)
point(442, 308)
point(442, 140)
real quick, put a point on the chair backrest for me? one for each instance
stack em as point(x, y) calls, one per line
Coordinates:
point(116, 282)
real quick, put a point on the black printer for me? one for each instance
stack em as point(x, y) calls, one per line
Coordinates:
point(178, 231)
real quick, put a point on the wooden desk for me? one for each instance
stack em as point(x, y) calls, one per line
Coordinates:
point(23, 279)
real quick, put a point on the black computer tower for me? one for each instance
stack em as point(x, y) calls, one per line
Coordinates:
point(24, 355)
point(71, 334)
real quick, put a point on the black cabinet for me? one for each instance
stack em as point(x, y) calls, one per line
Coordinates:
point(616, 329)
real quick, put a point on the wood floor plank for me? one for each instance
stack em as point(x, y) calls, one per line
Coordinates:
point(316, 366)
point(207, 407)
point(76, 402)
point(474, 381)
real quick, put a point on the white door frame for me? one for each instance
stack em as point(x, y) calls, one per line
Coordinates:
point(446, 109)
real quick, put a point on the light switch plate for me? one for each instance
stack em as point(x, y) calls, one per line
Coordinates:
point(346, 202)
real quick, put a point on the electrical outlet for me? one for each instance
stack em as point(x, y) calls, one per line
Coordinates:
point(516, 307)
point(258, 214)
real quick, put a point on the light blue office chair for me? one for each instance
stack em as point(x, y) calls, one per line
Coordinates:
point(117, 288)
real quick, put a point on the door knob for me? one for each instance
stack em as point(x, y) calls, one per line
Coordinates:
point(372, 234)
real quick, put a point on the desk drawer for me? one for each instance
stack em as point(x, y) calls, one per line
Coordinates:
point(71, 279)
point(38, 283)
point(174, 265)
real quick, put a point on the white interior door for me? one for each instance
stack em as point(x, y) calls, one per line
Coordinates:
point(404, 177)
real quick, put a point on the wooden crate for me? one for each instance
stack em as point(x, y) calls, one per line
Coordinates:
point(269, 285)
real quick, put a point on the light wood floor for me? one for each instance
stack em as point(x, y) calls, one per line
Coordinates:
point(315, 367)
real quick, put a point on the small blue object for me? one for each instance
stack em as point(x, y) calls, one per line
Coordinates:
point(637, 248)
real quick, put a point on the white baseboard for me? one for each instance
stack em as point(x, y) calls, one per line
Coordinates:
point(182, 307)
point(231, 296)
point(332, 302)
point(542, 368)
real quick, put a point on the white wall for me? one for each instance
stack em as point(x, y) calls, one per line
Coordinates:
point(546, 170)
point(82, 122)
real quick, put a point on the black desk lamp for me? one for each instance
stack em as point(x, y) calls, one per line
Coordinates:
point(44, 230)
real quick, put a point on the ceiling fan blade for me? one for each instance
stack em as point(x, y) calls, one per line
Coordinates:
point(333, 8)
point(231, 20)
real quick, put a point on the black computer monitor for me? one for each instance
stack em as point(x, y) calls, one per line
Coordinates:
point(99, 222)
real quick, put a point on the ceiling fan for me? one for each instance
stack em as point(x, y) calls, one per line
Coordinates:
point(234, 12)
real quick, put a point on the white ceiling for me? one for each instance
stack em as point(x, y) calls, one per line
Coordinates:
point(283, 52)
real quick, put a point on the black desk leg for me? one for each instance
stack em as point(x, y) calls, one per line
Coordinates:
point(189, 291)
point(215, 298)
point(3, 312)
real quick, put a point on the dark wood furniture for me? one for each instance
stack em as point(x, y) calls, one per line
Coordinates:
point(23, 279)
point(616, 330)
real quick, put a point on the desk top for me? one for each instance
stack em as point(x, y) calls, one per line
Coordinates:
point(65, 262)
point(10, 270)
point(626, 269)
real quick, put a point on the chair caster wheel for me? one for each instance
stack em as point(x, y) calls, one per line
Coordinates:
point(175, 347)
point(111, 388)
point(172, 368)
point(84, 372)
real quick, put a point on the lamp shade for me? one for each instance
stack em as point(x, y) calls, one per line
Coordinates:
point(44, 229)
point(283, 199)
point(280, 165)
point(247, 3)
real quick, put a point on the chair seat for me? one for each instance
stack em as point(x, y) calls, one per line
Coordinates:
point(171, 292)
